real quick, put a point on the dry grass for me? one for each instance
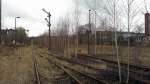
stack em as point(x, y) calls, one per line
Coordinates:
point(16, 65)
point(138, 55)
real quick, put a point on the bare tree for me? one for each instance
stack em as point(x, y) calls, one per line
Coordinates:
point(77, 13)
point(67, 26)
point(112, 8)
point(63, 34)
point(132, 11)
point(116, 44)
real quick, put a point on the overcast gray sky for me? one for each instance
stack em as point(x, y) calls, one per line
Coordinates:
point(32, 16)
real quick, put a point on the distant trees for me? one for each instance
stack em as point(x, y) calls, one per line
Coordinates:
point(139, 28)
point(21, 35)
point(62, 33)
point(10, 35)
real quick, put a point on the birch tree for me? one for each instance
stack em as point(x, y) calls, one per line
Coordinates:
point(133, 9)
point(77, 14)
point(112, 8)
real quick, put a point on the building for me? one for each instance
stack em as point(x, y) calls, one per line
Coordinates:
point(7, 36)
point(122, 37)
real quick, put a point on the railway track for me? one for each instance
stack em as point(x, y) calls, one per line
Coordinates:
point(36, 76)
point(103, 76)
point(78, 61)
point(78, 76)
point(96, 76)
point(137, 73)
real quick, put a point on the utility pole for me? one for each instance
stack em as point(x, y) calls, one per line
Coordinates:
point(0, 22)
point(16, 30)
point(89, 31)
point(49, 25)
point(95, 49)
point(95, 37)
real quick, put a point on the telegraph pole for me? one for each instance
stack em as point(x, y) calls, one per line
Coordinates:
point(89, 31)
point(49, 25)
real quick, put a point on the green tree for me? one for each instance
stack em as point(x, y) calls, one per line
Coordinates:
point(21, 35)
